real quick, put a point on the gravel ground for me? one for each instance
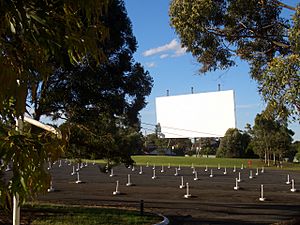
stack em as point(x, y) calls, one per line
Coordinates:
point(213, 200)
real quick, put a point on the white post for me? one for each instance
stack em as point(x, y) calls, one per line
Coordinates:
point(154, 176)
point(49, 165)
point(250, 176)
point(239, 180)
point(192, 167)
point(262, 170)
point(234, 169)
point(225, 171)
point(182, 184)
point(196, 176)
point(128, 181)
point(111, 173)
point(219, 167)
point(236, 187)
point(117, 192)
point(78, 181)
point(293, 189)
point(16, 201)
point(206, 168)
point(262, 198)
point(288, 179)
point(169, 166)
point(242, 167)
point(51, 188)
point(194, 170)
point(162, 169)
point(141, 170)
point(179, 167)
point(176, 172)
point(73, 171)
point(16, 210)
point(211, 173)
point(256, 171)
point(187, 195)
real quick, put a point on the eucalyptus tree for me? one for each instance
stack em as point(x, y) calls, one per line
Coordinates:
point(36, 35)
point(270, 139)
point(217, 32)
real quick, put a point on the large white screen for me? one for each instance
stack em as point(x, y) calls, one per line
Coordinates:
point(196, 115)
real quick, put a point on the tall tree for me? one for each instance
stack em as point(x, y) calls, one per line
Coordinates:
point(270, 139)
point(216, 32)
point(233, 144)
point(35, 37)
point(101, 102)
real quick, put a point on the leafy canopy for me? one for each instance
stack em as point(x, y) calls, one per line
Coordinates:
point(100, 102)
point(35, 35)
point(217, 32)
point(270, 137)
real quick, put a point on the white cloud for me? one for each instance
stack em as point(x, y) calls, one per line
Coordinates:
point(164, 56)
point(150, 64)
point(173, 47)
point(179, 52)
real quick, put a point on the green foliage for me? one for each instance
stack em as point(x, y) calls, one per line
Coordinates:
point(58, 54)
point(35, 35)
point(216, 32)
point(208, 146)
point(101, 103)
point(102, 140)
point(179, 146)
point(270, 138)
point(26, 153)
point(280, 86)
point(296, 146)
point(233, 144)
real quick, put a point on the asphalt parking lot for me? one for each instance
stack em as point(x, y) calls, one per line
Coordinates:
point(213, 199)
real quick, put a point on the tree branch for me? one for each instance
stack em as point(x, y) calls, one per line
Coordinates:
point(284, 5)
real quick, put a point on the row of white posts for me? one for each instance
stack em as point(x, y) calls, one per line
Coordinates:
point(188, 195)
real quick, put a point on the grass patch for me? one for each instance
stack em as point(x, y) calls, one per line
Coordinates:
point(70, 215)
point(203, 161)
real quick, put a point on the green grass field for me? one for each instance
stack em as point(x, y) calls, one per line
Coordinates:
point(68, 215)
point(203, 161)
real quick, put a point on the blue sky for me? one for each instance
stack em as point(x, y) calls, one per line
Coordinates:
point(173, 69)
